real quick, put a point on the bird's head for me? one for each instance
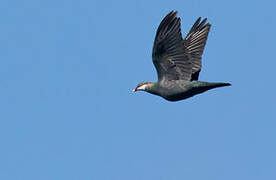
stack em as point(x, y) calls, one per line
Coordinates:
point(143, 86)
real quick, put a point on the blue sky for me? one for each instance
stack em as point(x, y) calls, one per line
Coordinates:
point(67, 111)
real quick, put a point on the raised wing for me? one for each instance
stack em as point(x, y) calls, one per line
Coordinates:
point(168, 55)
point(194, 43)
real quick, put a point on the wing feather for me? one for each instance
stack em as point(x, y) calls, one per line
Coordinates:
point(168, 55)
point(195, 42)
point(175, 58)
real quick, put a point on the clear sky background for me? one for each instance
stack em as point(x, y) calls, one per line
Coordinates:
point(67, 112)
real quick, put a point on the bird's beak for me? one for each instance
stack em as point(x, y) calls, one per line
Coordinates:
point(134, 90)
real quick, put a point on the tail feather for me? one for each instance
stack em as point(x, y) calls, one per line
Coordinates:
point(200, 87)
point(215, 85)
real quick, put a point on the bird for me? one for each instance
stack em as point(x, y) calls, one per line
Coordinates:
point(178, 61)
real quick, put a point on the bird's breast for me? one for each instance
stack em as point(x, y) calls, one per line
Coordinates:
point(174, 88)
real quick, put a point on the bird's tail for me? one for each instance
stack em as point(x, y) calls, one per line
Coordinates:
point(219, 84)
point(201, 87)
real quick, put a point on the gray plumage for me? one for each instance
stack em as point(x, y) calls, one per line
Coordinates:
point(178, 61)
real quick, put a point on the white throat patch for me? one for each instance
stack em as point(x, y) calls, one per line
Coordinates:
point(143, 87)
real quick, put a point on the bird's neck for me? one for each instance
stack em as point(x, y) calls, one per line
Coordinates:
point(152, 88)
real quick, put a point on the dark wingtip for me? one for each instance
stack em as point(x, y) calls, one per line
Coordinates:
point(172, 13)
point(228, 84)
point(170, 17)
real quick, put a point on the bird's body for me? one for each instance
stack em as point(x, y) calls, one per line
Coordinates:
point(178, 61)
point(175, 90)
